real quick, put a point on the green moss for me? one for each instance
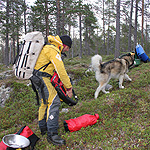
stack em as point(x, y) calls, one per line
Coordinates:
point(124, 113)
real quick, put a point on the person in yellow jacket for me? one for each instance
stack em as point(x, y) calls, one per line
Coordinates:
point(50, 58)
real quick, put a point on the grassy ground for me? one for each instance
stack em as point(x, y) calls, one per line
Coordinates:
point(124, 113)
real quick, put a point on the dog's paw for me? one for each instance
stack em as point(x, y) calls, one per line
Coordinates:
point(121, 87)
point(106, 92)
point(130, 79)
point(96, 95)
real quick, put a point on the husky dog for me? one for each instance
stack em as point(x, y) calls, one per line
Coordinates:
point(116, 68)
point(90, 69)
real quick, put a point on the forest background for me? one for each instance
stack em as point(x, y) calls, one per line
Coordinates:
point(101, 26)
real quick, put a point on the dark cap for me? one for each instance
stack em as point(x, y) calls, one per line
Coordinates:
point(66, 40)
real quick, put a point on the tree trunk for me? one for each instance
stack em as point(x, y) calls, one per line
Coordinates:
point(73, 45)
point(130, 26)
point(46, 18)
point(25, 23)
point(96, 41)
point(3, 54)
point(135, 28)
point(17, 42)
point(146, 40)
point(103, 52)
point(117, 42)
point(6, 59)
point(80, 28)
point(58, 17)
point(63, 20)
point(142, 22)
point(14, 50)
point(10, 52)
point(108, 41)
point(86, 41)
point(69, 35)
point(108, 32)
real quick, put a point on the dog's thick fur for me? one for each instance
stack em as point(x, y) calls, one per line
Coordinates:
point(116, 68)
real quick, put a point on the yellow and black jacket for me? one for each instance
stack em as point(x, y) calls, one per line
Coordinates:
point(52, 53)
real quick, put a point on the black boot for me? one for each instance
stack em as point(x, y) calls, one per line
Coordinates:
point(56, 139)
point(43, 131)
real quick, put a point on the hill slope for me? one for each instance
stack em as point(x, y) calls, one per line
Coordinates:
point(124, 113)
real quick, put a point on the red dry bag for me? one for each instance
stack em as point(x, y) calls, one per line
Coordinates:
point(82, 121)
point(59, 86)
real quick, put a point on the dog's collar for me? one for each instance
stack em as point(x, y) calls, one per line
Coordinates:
point(126, 60)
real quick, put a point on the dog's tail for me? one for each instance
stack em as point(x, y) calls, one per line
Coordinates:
point(96, 60)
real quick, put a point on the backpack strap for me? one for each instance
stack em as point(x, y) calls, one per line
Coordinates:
point(21, 129)
point(37, 95)
point(45, 66)
point(37, 73)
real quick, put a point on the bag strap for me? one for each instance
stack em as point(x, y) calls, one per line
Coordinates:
point(21, 130)
point(45, 66)
point(37, 95)
point(75, 96)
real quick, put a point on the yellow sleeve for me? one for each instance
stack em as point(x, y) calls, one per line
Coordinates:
point(55, 58)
